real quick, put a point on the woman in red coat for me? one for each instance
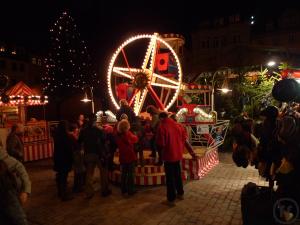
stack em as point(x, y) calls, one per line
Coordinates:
point(125, 140)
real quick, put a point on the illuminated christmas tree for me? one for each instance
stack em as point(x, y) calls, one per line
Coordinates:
point(68, 67)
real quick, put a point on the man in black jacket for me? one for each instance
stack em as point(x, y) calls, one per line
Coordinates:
point(96, 155)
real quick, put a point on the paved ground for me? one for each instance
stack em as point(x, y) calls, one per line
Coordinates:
point(213, 200)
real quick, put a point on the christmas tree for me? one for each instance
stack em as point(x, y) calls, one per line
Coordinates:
point(68, 67)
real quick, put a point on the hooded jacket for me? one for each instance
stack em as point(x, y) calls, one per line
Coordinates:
point(171, 138)
point(17, 168)
point(126, 149)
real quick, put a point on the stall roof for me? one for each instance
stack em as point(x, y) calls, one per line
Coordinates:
point(21, 94)
point(21, 89)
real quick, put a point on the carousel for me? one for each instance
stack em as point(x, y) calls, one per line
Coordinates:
point(14, 104)
point(146, 70)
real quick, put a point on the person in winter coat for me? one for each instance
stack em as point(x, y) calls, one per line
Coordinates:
point(14, 143)
point(126, 109)
point(171, 139)
point(96, 154)
point(11, 211)
point(63, 159)
point(22, 179)
point(78, 159)
point(154, 112)
point(125, 141)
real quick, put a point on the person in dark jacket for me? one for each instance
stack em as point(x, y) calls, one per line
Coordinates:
point(78, 159)
point(171, 138)
point(125, 140)
point(11, 211)
point(126, 109)
point(14, 143)
point(63, 159)
point(96, 155)
point(154, 112)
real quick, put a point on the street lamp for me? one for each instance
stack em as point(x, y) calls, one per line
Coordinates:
point(271, 63)
point(224, 89)
point(86, 99)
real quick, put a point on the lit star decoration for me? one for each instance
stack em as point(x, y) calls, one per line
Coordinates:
point(68, 66)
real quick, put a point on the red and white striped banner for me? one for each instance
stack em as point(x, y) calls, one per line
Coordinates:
point(35, 138)
point(198, 168)
point(38, 150)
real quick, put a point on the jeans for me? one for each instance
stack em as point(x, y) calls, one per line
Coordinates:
point(127, 178)
point(93, 161)
point(173, 180)
point(12, 212)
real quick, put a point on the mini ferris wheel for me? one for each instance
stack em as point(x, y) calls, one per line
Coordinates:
point(144, 70)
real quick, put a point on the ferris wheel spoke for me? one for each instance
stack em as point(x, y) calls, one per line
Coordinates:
point(133, 96)
point(156, 98)
point(149, 51)
point(139, 101)
point(164, 85)
point(122, 73)
point(166, 79)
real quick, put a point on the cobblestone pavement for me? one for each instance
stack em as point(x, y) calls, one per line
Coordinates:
point(215, 199)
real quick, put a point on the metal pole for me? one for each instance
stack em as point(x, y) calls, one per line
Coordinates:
point(92, 98)
point(213, 92)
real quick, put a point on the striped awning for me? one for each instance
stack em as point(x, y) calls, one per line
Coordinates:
point(20, 89)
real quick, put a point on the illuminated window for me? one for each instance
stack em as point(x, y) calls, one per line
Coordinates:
point(2, 49)
point(33, 60)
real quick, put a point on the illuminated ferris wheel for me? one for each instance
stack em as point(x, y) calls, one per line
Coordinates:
point(144, 69)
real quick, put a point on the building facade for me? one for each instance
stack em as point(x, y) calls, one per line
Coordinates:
point(19, 65)
point(251, 40)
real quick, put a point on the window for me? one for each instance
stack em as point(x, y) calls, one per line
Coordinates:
point(33, 60)
point(2, 64)
point(14, 66)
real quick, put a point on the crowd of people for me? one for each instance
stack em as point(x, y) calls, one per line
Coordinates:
point(86, 144)
point(83, 145)
point(273, 147)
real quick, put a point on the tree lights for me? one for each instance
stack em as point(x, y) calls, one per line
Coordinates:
point(68, 64)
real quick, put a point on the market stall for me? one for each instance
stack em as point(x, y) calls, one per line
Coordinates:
point(36, 137)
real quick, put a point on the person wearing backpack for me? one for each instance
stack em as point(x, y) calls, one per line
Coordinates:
point(96, 154)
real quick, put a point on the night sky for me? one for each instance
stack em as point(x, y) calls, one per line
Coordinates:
point(105, 24)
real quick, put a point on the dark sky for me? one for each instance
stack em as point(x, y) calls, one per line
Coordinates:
point(106, 23)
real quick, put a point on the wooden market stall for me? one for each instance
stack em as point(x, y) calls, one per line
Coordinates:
point(36, 137)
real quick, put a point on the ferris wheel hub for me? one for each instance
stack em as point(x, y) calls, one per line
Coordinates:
point(141, 80)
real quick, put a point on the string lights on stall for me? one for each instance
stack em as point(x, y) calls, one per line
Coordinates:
point(68, 65)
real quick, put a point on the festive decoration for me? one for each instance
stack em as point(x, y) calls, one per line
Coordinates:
point(145, 79)
point(68, 65)
point(21, 94)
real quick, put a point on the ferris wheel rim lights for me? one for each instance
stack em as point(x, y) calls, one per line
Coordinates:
point(152, 37)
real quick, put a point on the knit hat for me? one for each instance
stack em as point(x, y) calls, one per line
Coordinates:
point(286, 90)
point(123, 126)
